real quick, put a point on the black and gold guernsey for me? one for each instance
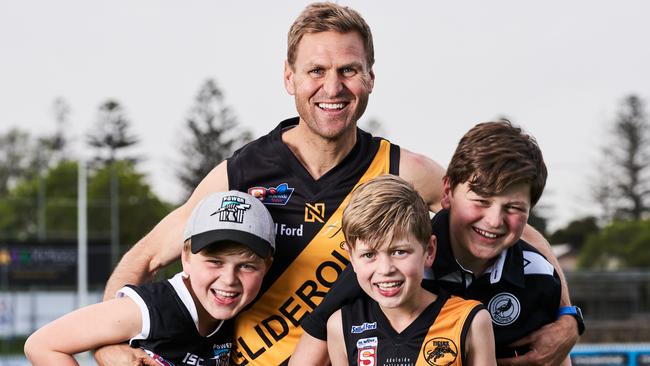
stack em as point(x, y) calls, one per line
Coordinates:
point(307, 214)
point(436, 337)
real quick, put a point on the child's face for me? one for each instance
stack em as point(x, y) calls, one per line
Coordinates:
point(482, 227)
point(224, 283)
point(392, 274)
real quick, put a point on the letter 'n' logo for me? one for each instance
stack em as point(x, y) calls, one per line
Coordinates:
point(315, 212)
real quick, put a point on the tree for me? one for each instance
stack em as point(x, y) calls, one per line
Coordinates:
point(111, 133)
point(625, 186)
point(621, 244)
point(140, 208)
point(16, 158)
point(214, 136)
point(576, 232)
point(111, 136)
point(57, 142)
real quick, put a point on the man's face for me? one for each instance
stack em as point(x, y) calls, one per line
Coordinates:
point(223, 284)
point(482, 227)
point(330, 82)
point(391, 274)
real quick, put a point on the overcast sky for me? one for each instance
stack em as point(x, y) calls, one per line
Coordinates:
point(558, 68)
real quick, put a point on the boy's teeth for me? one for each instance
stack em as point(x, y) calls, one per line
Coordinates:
point(486, 233)
point(225, 293)
point(389, 284)
point(330, 105)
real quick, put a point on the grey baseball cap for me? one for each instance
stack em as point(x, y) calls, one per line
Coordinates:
point(231, 216)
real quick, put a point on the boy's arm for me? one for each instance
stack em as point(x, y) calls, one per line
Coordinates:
point(335, 341)
point(425, 175)
point(82, 330)
point(479, 344)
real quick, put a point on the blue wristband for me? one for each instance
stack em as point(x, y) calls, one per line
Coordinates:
point(576, 313)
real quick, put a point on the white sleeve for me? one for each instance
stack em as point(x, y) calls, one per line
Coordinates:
point(146, 321)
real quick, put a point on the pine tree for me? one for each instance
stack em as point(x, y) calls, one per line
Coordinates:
point(214, 134)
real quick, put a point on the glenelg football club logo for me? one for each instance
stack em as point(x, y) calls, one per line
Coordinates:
point(232, 209)
point(440, 351)
point(504, 309)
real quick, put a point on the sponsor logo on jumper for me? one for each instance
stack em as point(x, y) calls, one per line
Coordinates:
point(367, 351)
point(286, 230)
point(367, 342)
point(315, 212)
point(279, 195)
point(398, 361)
point(192, 359)
point(504, 309)
point(297, 305)
point(363, 327)
point(367, 356)
point(232, 209)
point(440, 351)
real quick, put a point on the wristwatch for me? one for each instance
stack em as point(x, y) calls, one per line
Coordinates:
point(576, 313)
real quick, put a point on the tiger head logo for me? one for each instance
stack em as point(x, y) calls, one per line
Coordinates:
point(440, 351)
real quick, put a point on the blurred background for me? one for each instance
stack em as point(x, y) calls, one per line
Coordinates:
point(150, 95)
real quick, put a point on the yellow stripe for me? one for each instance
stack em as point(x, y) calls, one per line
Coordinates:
point(316, 266)
point(442, 344)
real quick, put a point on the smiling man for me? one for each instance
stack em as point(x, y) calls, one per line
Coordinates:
point(303, 171)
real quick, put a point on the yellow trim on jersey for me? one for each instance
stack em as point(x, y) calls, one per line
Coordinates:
point(268, 332)
point(443, 342)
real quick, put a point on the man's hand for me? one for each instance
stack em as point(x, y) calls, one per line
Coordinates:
point(122, 355)
point(145, 361)
point(549, 345)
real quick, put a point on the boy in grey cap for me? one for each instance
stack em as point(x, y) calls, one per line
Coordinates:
point(228, 245)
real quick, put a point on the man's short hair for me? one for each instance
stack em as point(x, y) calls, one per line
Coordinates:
point(494, 156)
point(326, 16)
point(383, 209)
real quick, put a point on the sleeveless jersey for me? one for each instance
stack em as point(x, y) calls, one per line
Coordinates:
point(435, 337)
point(307, 215)
point(169, 326)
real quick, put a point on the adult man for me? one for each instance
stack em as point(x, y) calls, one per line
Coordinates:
point(304, 171)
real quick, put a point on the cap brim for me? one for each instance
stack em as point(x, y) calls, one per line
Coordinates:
point(258, 245)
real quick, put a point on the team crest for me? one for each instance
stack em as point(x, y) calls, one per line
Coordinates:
point(440, 351)
point(232, 209)
point(367, 351)
point(504, 309)
point(222, 354)
point(279, 195)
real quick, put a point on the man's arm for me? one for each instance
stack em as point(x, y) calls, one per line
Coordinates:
point(310, 351)
point(425, 175)
point(162, 245)
point(335, 341)
point(551, 344)
point(480, 341)
point(312, 347)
